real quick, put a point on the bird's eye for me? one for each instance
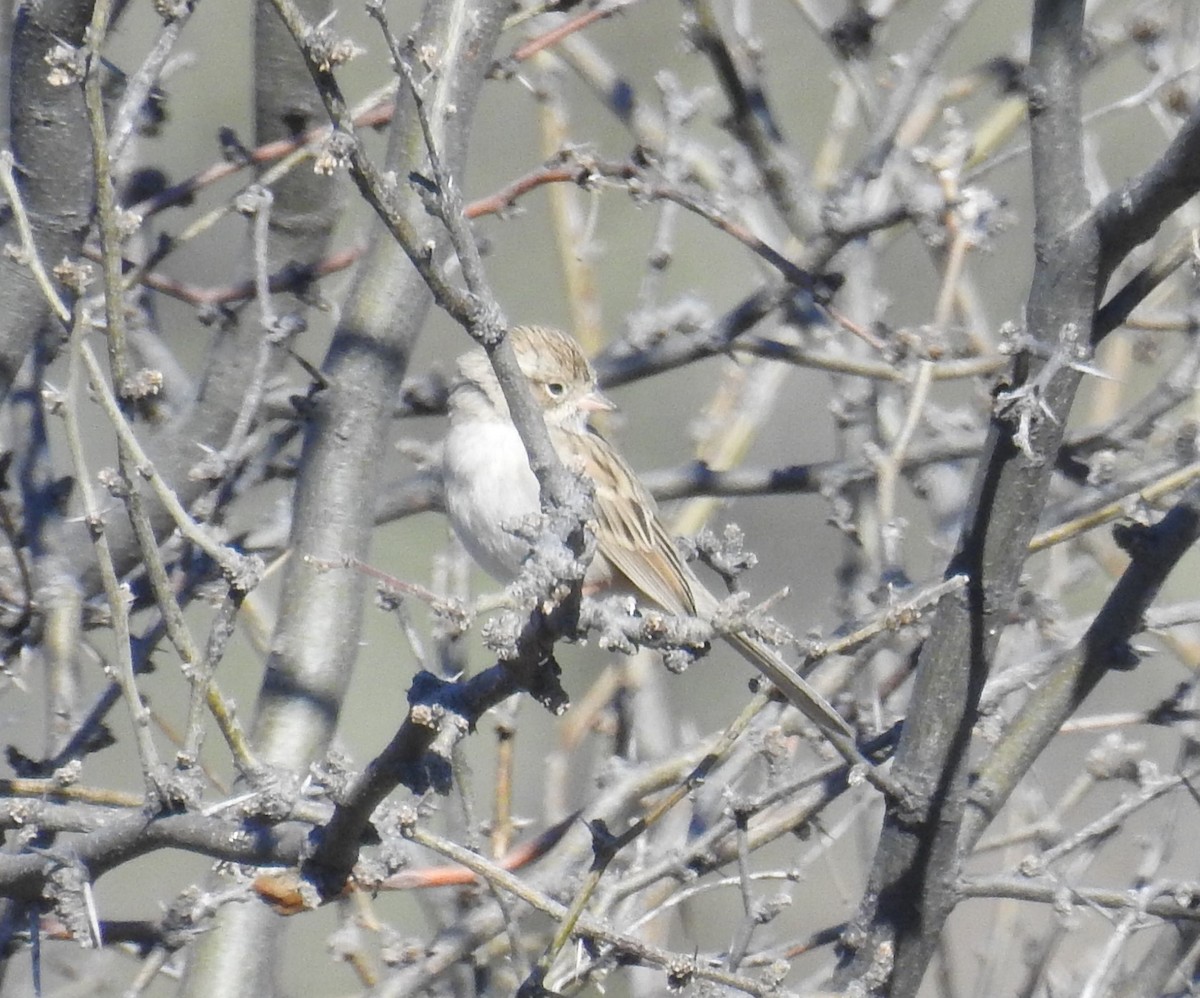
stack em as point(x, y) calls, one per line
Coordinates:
point(556, 389)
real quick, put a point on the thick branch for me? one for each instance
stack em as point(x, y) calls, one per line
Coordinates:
point(911, 889)
point(1105, 647)
point(1132, 214)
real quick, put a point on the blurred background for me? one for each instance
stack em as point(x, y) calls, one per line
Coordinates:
point(650, 45)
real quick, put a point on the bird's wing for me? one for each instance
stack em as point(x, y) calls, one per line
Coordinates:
point(629, 533)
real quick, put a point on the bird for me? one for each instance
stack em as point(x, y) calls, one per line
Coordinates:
point(490, 490)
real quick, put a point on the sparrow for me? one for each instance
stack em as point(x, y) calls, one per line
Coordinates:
point(490, 490)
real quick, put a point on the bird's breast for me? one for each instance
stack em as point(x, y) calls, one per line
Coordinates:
point(489, 491)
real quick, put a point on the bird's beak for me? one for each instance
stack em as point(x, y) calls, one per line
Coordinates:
point(597, 401)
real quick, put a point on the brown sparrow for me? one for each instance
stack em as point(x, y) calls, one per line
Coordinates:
point(490, 490)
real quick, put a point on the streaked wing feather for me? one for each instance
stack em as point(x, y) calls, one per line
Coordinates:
point(630, 535)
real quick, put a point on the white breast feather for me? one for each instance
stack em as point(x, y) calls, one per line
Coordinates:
point(489, 490)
